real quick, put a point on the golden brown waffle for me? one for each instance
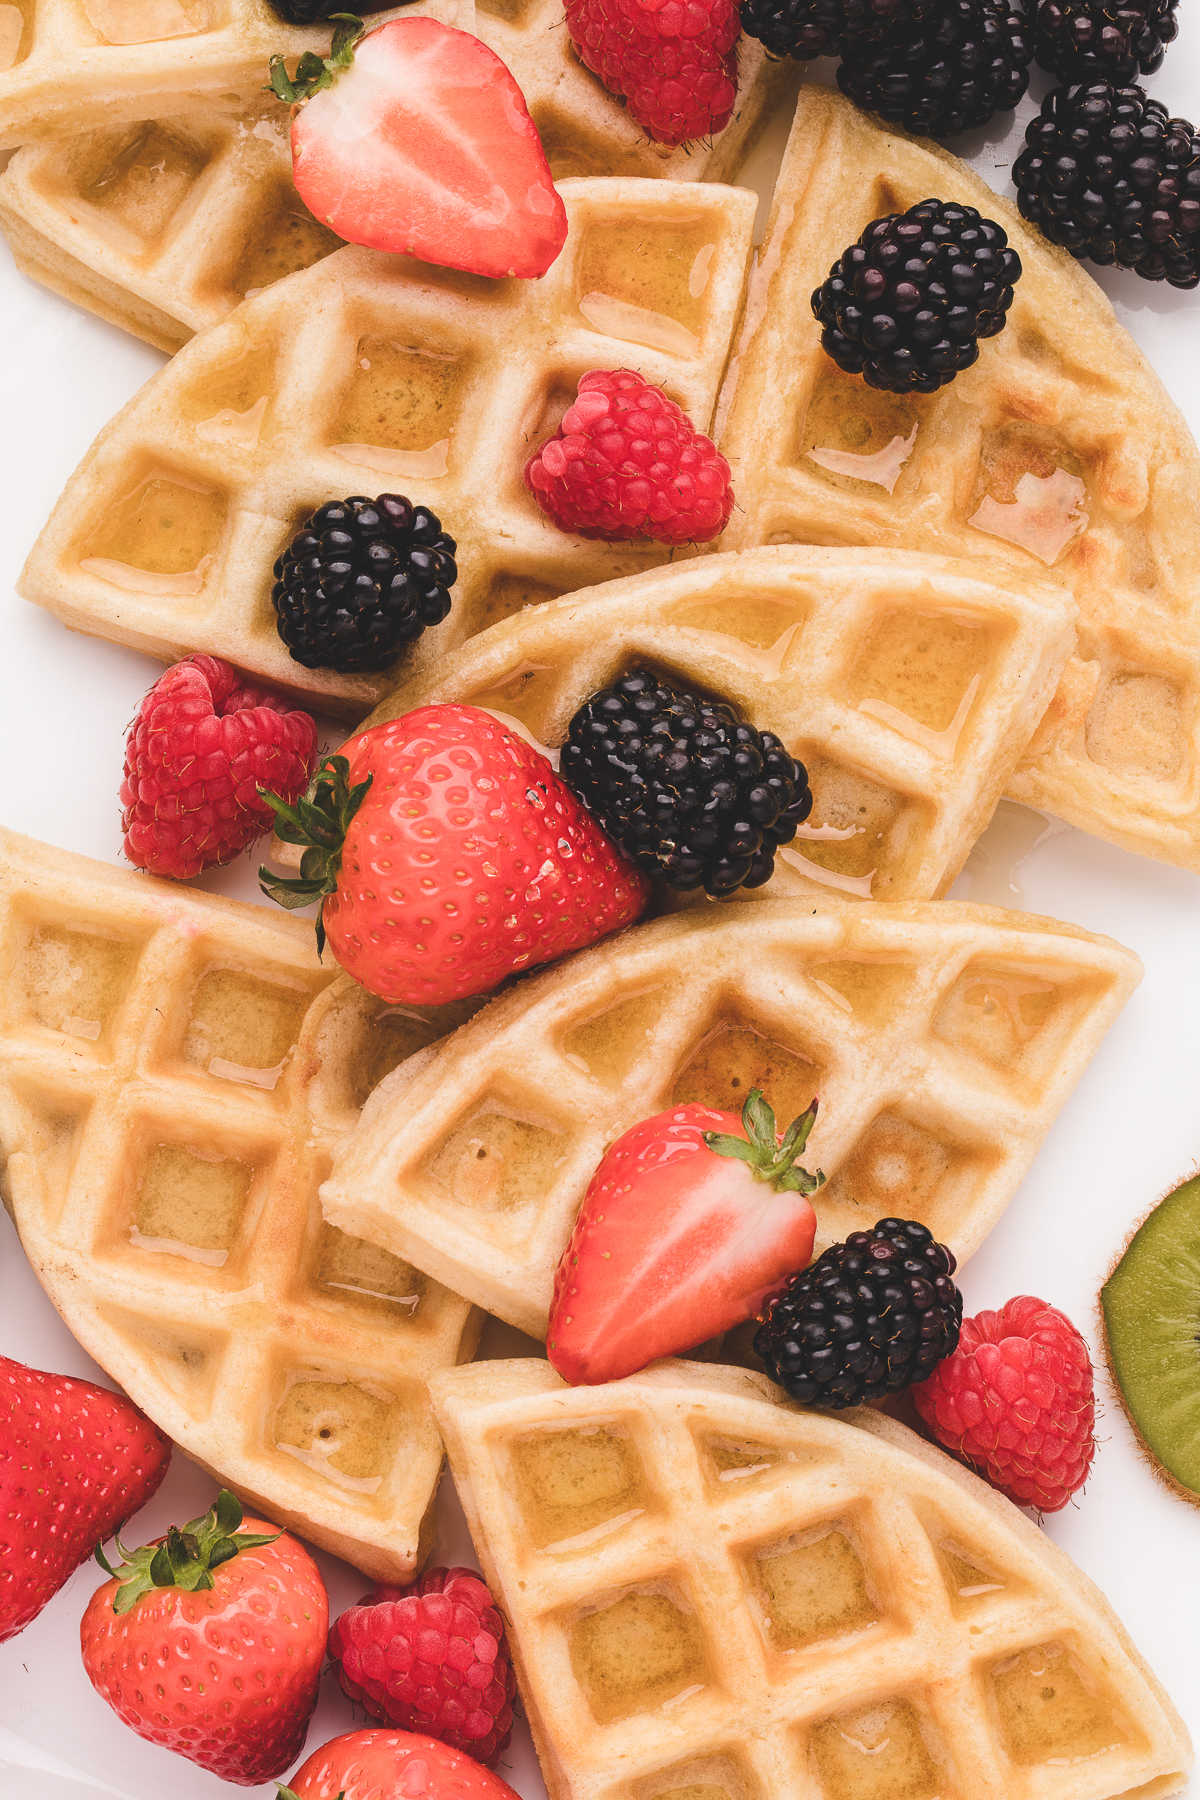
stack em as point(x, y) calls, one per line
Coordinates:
point(908, 685)
point(162, 226)
point(714, 1594)
point(367, 373)
point(942, 1041)
point(1059, 450)
point(176, 1072)
point(72, 65)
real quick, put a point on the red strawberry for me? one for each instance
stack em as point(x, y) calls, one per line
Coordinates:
point(230, 1616)
point(203, 743)
point(415, 138)
point(447, 854)
point(674, 61)
point(682, 1234)
point(431, 1657)
point(393, 1765)
point(75, 1463)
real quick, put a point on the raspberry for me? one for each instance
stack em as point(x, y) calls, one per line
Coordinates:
point(430, 1658)
point(672, 61)
point(203, 743)
point(626, 462)
point(1016, 1401)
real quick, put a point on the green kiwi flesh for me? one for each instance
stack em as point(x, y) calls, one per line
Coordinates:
point(1151, 1305)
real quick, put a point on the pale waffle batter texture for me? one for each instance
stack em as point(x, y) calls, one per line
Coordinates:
point(942, 1041)
point(1059, 451)
point(369, 374)
point(176, 1074)
point(162, 225)
point(712, 1593)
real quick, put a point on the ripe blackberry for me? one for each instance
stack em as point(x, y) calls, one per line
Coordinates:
point(1107, 174)
point(869, 1317)
point(969, 60)
point(906, 305)
point(360, 579)
point(1083, 40)
point(806, 29)
point(315, 12)
point(688, 790)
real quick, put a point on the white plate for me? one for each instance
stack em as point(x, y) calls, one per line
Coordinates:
point(1129, 1134)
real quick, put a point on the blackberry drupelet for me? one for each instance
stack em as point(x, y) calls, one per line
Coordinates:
point(688, 790)
point(906, 306)
point(967, 62)
point(1084, 40)
point(1107, 174)
point(805, 29)
point(869, 1317)
point(360, 579)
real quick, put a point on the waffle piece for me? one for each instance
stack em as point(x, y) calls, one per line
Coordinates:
point(712, 1593)
point(370, 374)
point(942, 1041)
point(176, 1072)
point(908, 686)
point(68, 66)
point(1059, 451)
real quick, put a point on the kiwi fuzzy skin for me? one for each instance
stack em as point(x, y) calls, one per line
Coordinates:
point(1160, 1472)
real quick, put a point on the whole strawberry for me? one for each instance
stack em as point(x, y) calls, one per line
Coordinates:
point(392, 1765)
point(75, 1462)
point(203, 743)
point(1016, 1401)
point(626, 462)
point(231, 1617)
point(673, 61)
point(692, 1218)
point(431, 1657)
point(446, 855)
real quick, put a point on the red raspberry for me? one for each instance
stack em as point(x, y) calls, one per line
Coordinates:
point(203, 743)
point(1016, 1401)
point(673, 61)
point(431, 1658)
point(626, 462)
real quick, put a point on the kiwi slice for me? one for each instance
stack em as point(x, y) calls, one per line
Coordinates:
point(1151, 1305)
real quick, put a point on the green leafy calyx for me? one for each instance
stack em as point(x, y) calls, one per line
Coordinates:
point(186, 1557)
point(315, 72)
point(319, 822)
point(767, 1158)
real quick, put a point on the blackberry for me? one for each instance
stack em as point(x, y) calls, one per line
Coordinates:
point(1107, 174)
point(806, 29)
point(360, 579)
point(906, 305)
point(1082, 40)
point(944, 75)
point(689, 791)
point(315, 12)
point(869, 1317)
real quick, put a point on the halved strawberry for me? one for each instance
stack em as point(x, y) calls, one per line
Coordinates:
point(691, 1220)
point(416, 139)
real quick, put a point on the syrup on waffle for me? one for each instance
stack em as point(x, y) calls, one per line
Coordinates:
point(1059, 451)
point(367, 373)
point(177, 1073)
point(715, 1594)
point(942, 1041)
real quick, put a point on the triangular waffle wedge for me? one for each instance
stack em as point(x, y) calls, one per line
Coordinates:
point(176, 1072)
point(942, 1041)
point(367, 373)
point(161, 226)
point(714, 1594)
point(909, 685)
point(1058, 450)
point(71, 65)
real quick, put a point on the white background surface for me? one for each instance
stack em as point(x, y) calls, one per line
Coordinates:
point(1131, 1132)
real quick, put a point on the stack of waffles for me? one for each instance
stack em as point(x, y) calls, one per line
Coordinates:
point(275, 1210)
